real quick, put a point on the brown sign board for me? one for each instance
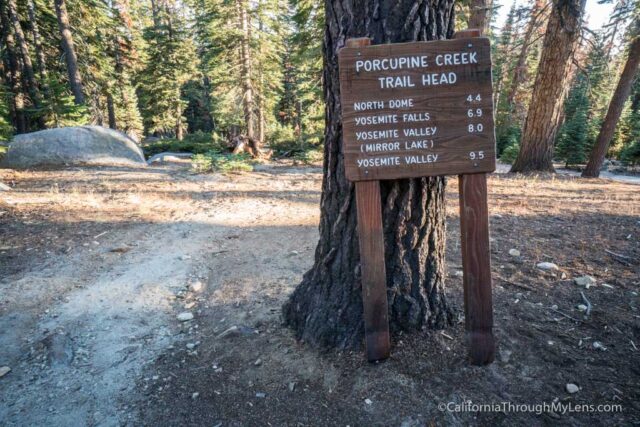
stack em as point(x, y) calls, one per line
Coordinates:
point(417, 109)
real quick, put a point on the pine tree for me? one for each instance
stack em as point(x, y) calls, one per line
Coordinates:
point(572, 146)
point(170, 63)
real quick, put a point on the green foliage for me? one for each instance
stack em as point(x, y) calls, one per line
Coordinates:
point(630, 152)
point(196, 143)
point(510, 153)
point(59, 108)
point(170, 64)
point(6, 129)
point(573, 143)
point(218, 162)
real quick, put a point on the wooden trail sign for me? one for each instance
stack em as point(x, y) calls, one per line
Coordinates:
point(417, 109)
point(411, 110)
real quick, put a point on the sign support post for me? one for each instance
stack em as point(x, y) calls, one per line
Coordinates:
point(372, 264)
point(411, 110)
point(476, 259)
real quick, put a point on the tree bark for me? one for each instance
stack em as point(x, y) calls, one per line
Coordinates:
point(245, 48)
point(111, 112)
point(75, 80)
point(37, 43)
point(13, 71)
point(551, 86)
point(480, 13)
point(622, 92)
point(520, 70)
point(27, 67)
point(325, 309)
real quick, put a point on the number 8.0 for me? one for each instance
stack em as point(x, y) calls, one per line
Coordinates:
point(475, 128)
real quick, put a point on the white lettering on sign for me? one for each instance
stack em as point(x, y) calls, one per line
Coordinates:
point(368, 105)
point(385, 64)
point(376, 120)
point(462, 58)
point(378, 162)
point(401, 103)
point(377, 134)
point(418, 160)
point(435, 79)
point(380, 146)
point(416, 117)
point(420, 131)
point(395, 82)
point(424, 144)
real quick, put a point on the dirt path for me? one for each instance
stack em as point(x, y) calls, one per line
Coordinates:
point(80, 325)
point(97, 264)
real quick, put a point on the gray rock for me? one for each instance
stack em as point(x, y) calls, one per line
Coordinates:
point(292, 386)
point(547, 266)
point(514, 252)
point(168, 157)
point(4, 187)
point(196, 286)
point(261, 395)
point(185, 316)
point(237, 330)
point(81, 145)
point(586, 281)
point(4, 370)
point(572, 388)
point(582, 307)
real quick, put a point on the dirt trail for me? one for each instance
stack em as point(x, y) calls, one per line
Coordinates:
point(97, 264)
point(78, 327)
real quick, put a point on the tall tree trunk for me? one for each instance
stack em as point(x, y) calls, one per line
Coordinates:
point(111, 112)
point(13, 71)
point(37, 43)
point(551, 86)
point(622, 92)
point(75, 80)
point(27, 67)
point(179, 124)
point(520, 70)
point(326, 308)
point(480, 14)
point(245, 48)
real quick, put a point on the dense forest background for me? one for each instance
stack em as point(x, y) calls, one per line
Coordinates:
point(195, 72)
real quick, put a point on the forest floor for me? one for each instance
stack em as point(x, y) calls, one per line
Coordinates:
point(98, 264)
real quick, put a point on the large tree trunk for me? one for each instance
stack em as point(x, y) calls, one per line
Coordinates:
point(551, 86)
point(37, 43)
point(13, 71)
point(616, 105)
point(520, 70)
point(75, 81)
point(480, 14)
point(326, 308)
point(245, 49)
point(27, 67)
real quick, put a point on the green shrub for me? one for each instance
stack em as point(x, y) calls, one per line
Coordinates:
point(214, 161)
point(631, 153)
point(510, 153)
point(196, 143)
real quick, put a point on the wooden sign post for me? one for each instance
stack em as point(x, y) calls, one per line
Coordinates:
point(411, 110)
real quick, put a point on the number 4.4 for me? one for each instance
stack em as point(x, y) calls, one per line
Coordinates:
point(476, 97)
point(476, 155)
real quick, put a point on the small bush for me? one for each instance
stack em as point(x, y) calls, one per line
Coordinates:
point(218, 162)
point(631, 153)
point(510, 153)
point(196, 143)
